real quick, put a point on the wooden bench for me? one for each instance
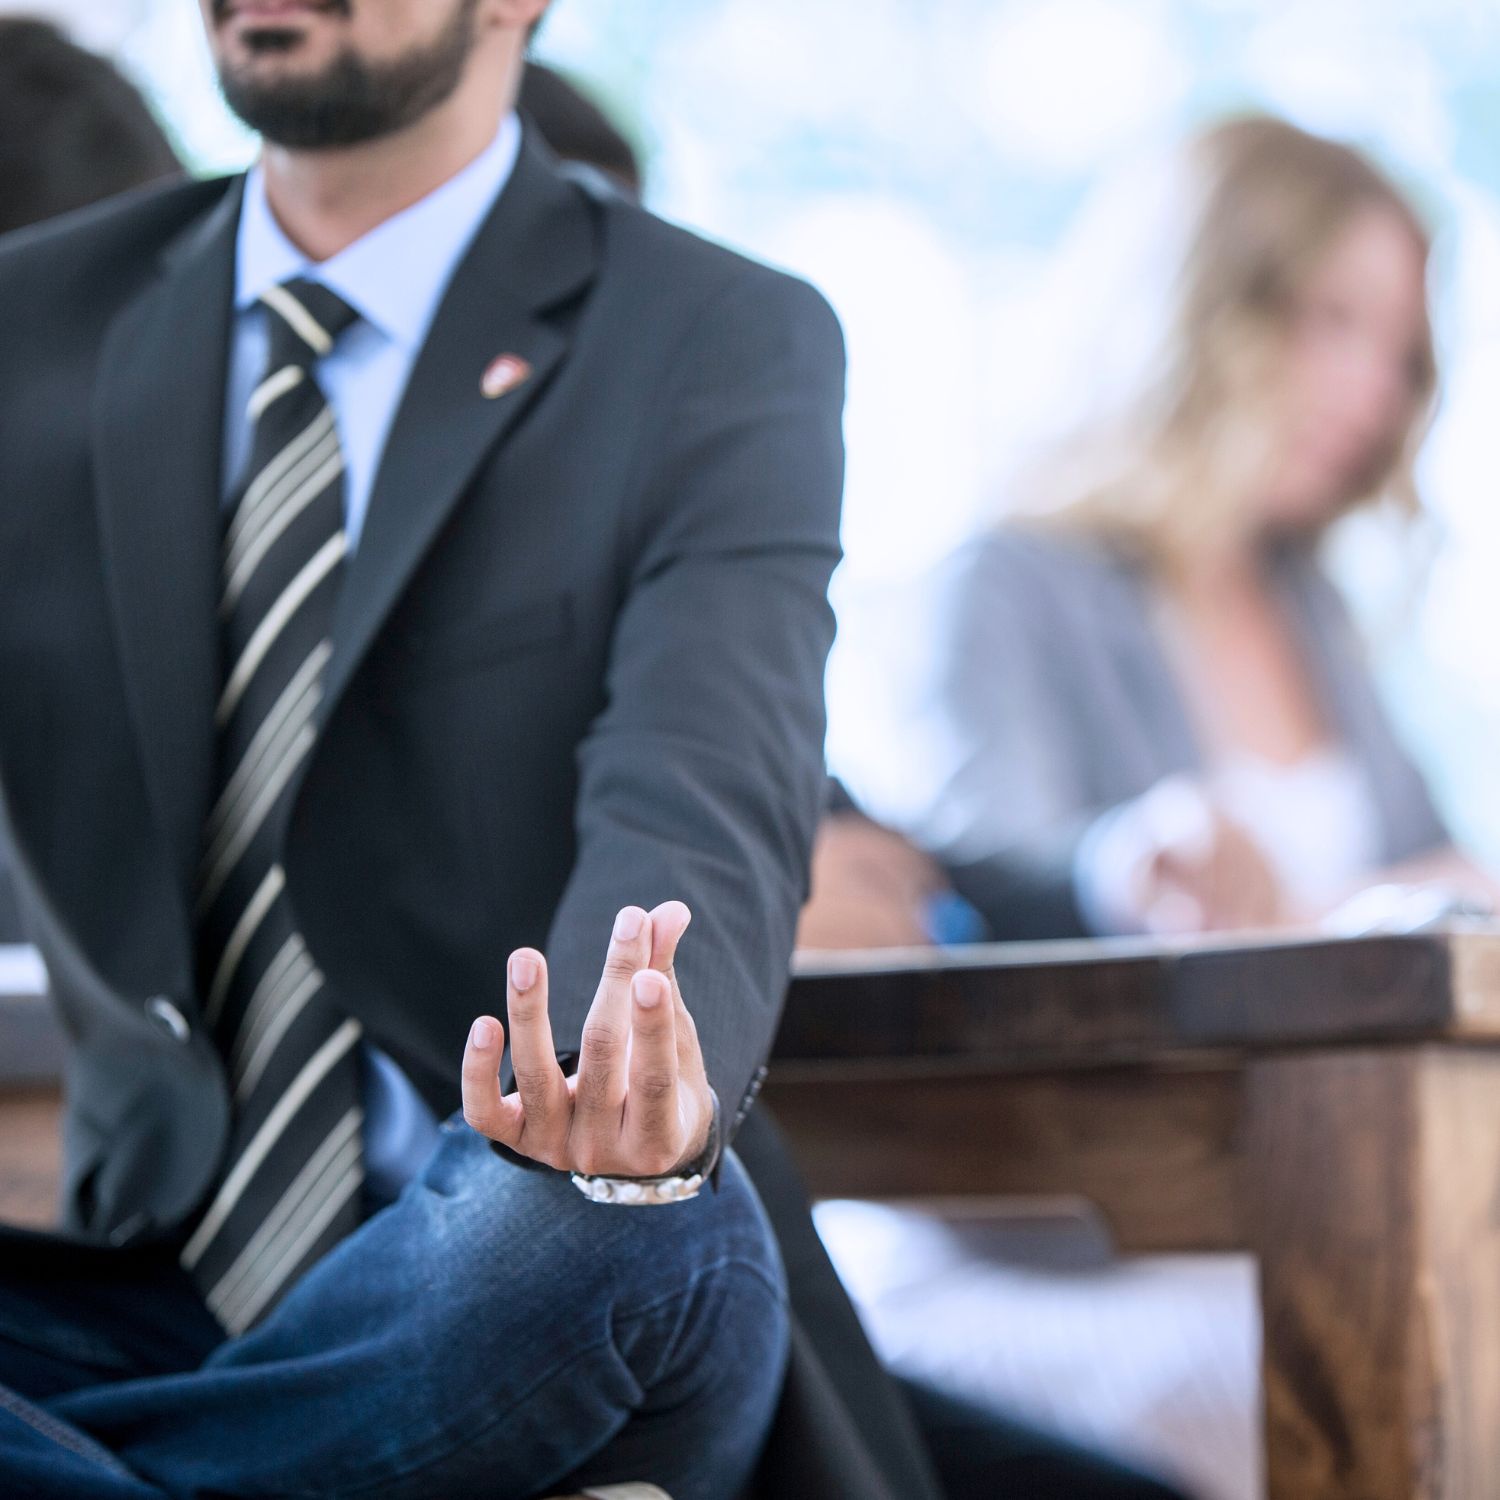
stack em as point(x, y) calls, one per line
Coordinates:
point(1331, 1106)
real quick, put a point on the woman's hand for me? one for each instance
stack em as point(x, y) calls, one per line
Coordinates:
point(1218, 881)
point(1172, 861)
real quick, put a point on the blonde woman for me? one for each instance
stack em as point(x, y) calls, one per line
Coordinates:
point(1150, 711)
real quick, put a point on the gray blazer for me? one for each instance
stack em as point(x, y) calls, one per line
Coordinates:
point(1056, 702)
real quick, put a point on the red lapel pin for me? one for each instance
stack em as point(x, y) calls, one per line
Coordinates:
point(503, 373)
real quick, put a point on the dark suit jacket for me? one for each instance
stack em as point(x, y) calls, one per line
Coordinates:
point(578, 663)
point(578, 654)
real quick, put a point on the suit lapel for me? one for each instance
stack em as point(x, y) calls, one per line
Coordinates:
point(157, 436)
point(534, 251)
point(157, 430)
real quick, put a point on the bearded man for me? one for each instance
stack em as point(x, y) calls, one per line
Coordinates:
point(415, 611)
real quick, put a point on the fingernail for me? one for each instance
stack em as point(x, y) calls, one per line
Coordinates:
point(522, 972)
point(482, 1033)
point(646, 990)
point(628, 924)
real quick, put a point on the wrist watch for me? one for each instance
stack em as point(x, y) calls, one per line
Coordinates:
point(673, 1187)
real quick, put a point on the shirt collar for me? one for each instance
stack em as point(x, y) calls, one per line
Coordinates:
point(395, 274)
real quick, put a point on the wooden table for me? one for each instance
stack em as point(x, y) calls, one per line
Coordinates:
point(1331, 1106)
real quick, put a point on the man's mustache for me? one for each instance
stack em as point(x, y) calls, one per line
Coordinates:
point(223, 9)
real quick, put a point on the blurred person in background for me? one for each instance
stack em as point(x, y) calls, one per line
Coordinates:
point(577, 129)
point(871, 888)
point(1145, 708)
point(72, 131)
point(1148, 708)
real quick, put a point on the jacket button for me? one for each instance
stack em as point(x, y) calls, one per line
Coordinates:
point(168, 1018)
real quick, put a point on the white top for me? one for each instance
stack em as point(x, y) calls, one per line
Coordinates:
point(1315, 820)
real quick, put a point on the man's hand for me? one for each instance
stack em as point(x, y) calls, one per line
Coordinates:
point(639, 1105)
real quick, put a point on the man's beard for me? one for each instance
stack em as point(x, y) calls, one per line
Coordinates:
point(351, 100)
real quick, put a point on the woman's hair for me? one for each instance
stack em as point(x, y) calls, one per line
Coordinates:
point(1166, 462)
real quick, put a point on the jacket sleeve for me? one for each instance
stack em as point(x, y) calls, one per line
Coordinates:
point(702, 777)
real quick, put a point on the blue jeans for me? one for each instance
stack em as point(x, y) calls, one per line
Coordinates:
point(492, 1334)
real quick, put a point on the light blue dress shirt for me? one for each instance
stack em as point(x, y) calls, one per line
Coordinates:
point(394, 277)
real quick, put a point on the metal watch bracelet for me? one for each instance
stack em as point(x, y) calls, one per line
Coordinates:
point(675, 1187)
point(638, 1192)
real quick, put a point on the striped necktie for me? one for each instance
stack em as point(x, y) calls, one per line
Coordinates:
point(288, 1189)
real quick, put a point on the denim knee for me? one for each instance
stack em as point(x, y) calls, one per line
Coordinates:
point(500, 1221)
point(611, 1336)
point(495, 1322)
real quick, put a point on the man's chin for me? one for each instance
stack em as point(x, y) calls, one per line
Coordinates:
point(321, 94)
point(299, 66)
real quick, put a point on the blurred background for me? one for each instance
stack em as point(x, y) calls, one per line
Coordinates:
point(935, 169)
point(951, 175)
